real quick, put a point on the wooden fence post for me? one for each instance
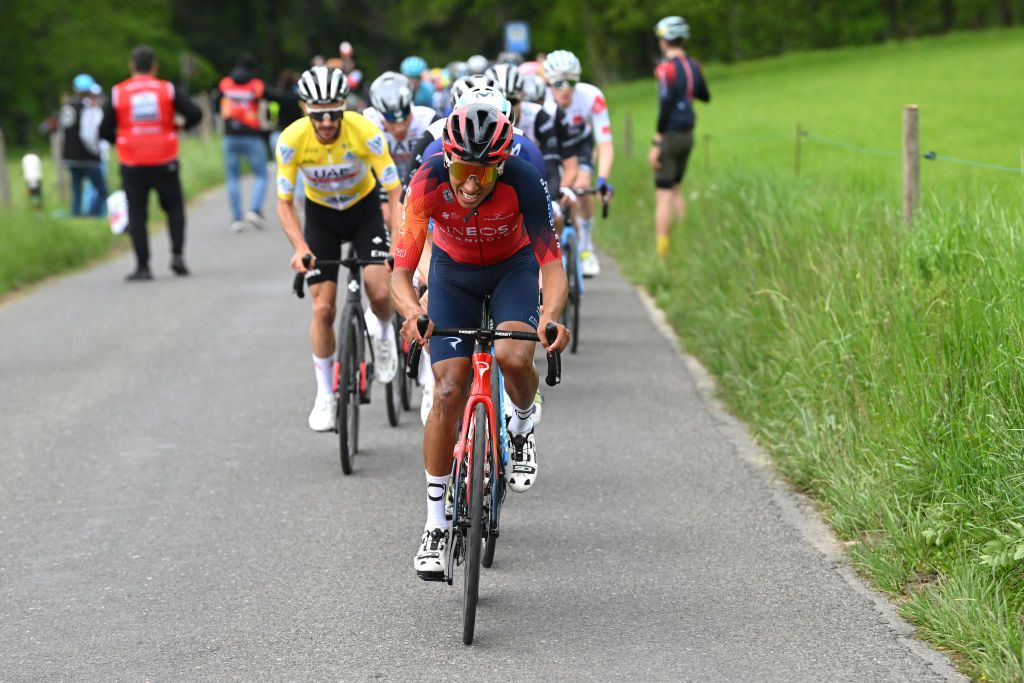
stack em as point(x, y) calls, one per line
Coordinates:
point(56, 154)
point(911, 164)
point(5, 181)
point(206, 127)
point(796, 153)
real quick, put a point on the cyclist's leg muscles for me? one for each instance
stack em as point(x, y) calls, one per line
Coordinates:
point(370, 240)
point(451, 380)
point(514, 307)
point(325, 244)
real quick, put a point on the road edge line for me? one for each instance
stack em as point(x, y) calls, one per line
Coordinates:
point(797, 510)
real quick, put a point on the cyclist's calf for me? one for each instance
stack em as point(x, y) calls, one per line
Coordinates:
point(516, 361)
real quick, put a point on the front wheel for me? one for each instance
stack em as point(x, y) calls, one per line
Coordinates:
point(476, 521)
point(349, 356)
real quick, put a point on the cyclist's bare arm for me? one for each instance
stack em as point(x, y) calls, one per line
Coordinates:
point(293, 231)
point(606, 155)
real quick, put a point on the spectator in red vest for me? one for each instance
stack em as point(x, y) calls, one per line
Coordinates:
point(139, 119)
point(241, 95)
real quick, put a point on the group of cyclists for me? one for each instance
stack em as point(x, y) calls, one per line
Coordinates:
point(466, 196)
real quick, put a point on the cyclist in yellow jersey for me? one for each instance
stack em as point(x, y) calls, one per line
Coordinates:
point(341, 156)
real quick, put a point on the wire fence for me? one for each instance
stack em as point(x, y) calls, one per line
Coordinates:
point(930, 155)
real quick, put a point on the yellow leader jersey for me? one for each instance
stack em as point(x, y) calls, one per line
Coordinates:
point(339, 174)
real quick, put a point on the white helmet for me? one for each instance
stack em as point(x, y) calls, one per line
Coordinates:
point(672, 28)
point(562, 64)
point(509, 80)
point(477, 64)
point(391, 95)
point(323, 85)
point(534, 88)
point(486, 95)
point(460, 86)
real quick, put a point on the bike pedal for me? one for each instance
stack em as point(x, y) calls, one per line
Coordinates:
point(431, 576)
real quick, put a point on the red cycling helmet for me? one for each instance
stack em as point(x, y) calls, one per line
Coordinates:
point(478, 133)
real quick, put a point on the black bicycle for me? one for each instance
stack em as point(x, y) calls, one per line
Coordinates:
point(353, 359)
point(481, 456)
point(573, 268)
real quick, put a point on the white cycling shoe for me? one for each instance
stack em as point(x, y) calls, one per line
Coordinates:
point(589, 264)
point(323, 417)
point(522, 462)
point(432, 557)
point(385, 356)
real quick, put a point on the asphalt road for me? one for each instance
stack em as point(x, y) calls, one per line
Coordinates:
point(166, 514)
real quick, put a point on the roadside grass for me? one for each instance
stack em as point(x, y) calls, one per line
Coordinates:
point(881, 367)
point(37, 244)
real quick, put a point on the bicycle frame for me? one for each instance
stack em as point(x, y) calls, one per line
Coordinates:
point(483, 363)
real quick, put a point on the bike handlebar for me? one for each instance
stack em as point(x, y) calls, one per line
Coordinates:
point(605, 196)
point(350, 263)
point(554, 376)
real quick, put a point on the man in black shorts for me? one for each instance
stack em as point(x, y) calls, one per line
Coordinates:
point(680, 80)
point(341, 156)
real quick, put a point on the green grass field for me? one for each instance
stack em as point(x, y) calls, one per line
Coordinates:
point(37, 244)
point(883, 368)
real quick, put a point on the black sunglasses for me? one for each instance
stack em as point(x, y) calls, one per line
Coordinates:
point(564, 84)
point(324, 114)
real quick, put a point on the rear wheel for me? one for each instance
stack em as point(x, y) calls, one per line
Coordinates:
point(476, 522)
point(571, 314)
point(349, 356)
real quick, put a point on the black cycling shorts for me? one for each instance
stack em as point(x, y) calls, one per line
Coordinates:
point(585, 155)
point(674, 152)
point(362, 224)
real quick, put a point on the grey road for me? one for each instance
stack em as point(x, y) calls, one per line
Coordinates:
point(165, 513)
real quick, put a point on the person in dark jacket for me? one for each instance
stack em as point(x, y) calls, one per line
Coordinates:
point(139, 118)
point(240, 96)
point(680, 80)
point(80, 119)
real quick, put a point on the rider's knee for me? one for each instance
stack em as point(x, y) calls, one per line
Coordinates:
point(515, 360)
point(449, 394)
point(323, 313)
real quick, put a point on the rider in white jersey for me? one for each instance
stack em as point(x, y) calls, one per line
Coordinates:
point(586, 117)
point(400, 121)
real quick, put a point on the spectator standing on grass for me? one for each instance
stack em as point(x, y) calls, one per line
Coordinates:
point(680, 80)
point(140, 120)
point(80, 119)
point(240, 94)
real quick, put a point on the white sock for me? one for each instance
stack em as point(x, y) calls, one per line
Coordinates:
point(521, 421)
point(324, 368)
point(426, 377)
point(585, 225)
point(436, 487)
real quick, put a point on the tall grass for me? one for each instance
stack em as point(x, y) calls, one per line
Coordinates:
point(36, 244)
point(882, 367)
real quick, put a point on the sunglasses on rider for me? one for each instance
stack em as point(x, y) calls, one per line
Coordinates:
point(460, 172)
point(565, 83)
point(324, 114)
point(397, 117)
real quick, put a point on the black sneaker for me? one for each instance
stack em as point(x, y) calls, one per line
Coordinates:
point(178, 265)
point(140, 274)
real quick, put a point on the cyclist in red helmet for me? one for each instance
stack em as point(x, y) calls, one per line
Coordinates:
point(492, 233)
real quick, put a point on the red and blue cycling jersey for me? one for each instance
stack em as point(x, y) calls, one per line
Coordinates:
point(516, 214)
